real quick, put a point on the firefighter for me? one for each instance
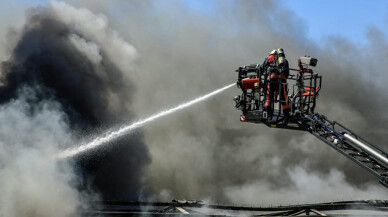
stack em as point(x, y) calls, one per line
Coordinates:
point(277, 68)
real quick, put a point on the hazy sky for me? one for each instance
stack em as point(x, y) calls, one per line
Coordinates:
point(347, 18)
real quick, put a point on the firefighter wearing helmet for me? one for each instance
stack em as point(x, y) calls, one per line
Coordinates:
point(277, 69)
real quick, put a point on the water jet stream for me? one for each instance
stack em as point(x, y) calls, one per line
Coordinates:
point(126, 129)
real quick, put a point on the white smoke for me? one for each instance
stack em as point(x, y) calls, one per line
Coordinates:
point(303, 187)
point(32, 183)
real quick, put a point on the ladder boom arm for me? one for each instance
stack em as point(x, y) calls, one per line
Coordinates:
point(349, 144)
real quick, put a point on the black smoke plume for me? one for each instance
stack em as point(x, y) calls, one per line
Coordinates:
point(47, 61)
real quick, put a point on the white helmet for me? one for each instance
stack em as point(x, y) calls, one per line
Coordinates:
point(280, 51)
point(272, 52)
